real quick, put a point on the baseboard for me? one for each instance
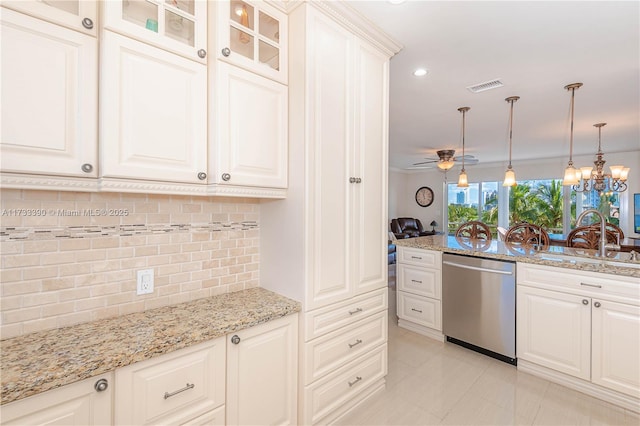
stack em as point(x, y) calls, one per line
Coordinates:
point(617, 398)
point(425, 331)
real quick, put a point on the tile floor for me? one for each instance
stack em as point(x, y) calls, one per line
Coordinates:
point(434, 383)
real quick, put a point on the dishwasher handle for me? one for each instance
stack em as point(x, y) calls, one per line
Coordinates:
point(476, 268)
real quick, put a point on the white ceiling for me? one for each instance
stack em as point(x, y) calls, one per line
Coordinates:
point(535, 48)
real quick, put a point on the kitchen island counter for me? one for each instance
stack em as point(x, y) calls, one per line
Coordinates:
point(580, 259)
point(48, 359)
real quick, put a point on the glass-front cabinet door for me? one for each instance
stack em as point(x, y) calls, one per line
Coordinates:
point(179, 26)
point(253, 35)
point(79, 15)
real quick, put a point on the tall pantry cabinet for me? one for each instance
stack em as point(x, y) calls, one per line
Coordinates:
point(326, 244)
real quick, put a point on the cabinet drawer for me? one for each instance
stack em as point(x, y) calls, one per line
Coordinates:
point(172, 388)
point(420, 257)
point(616, 288)
point(212, 418)
point(330, 351)
point(420, 281)
point(324, 320)
point(420, 310)
point(329, 393)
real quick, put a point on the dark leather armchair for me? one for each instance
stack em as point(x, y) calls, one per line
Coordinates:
point(407, 227)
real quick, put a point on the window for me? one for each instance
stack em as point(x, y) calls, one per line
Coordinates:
point(544, 202)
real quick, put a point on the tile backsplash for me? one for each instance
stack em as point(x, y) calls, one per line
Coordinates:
point(71, 257)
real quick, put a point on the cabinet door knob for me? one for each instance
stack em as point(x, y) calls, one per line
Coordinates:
point(202, 53)
point(358, 180)
point(585, 302)
point(597, 304)
point(101, 385)
point(352, 180)
point(226, 177)
point(202, 175)
point(235, 339)
point(226, 51)
point(87, 168)
point(87, 23)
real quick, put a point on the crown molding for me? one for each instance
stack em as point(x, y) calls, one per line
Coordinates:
point(355, 22)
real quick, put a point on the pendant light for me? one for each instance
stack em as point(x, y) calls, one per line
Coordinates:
point(463, 182)
point(510, 175)
point(571, 174)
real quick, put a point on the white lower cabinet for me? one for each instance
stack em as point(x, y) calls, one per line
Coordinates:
point(175, 388)
point(82, 403)
point(262, 374)
point(419, 291)
point(581, 329)
point(345, 356)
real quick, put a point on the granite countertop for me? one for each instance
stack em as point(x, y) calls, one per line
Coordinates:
point(45, 360)
point(527, 254)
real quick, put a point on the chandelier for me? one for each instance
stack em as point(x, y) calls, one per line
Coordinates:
point(597, 180)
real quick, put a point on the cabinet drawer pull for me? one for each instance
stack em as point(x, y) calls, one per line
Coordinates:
point(416, 310)
point(355, 311)
point(189, 386)
point(351, 345)
point(416, 281)
point(358, 378)
point(416, 257)
point(591, 285)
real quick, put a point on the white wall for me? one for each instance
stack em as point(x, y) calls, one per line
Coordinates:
point(402, 191)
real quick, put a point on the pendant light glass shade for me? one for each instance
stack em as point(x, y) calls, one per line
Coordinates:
point(510, 175)
point(509, 178)
point(571, 174)
point(463, 181)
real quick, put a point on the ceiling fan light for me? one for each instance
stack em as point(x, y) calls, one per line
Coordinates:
point(509, 178)
point(463, 182)
point(570, 176)
point(445, 164)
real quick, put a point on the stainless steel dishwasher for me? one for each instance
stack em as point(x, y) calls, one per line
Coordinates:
point(479, 305)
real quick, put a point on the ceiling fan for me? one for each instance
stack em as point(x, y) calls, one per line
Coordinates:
point(446, 159)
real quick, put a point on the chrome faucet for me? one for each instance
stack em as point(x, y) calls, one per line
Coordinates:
point(602, 245)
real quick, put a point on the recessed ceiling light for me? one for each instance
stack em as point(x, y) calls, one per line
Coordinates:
point(421, 72)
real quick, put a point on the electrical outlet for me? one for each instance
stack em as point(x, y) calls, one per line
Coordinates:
point(145, 281)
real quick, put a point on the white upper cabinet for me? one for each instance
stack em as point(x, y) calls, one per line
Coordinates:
point(79, 15)
point(248, 130)
point(153, 112)
point(178, 26)
point(253, 35)
point(49, 98)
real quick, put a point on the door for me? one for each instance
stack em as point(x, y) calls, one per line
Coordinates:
point(370, 165)
point(178, 26)
point(615, 354)
point(554, 330)
point(153, 109)
point(262, 371)
point(79, 15)
point(76, 404)
point(329, 161)
point(49, 98)
point(253, 35)
point(251, 120)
